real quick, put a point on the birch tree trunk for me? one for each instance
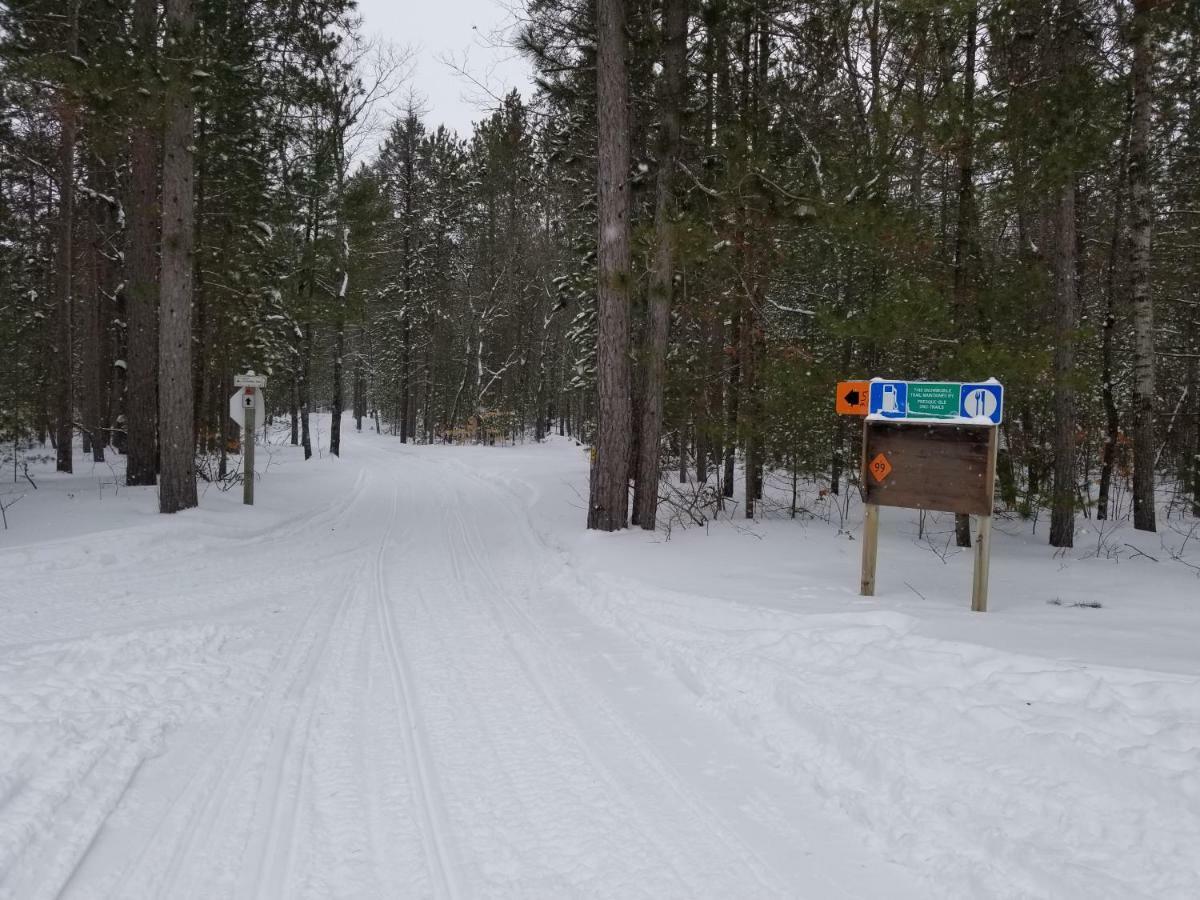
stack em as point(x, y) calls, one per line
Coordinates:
point(177, 482)
point(608, 504)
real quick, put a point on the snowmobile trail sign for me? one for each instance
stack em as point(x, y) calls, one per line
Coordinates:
point(922, 400)
point(880, 468)
point(851, 398)
point(930, 446)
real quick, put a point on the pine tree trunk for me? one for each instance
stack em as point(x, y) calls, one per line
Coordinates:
point(141, 261)
point(118, 350)
point(1108, 398)
point(95, 374)
point(341, 283)
point(405, 378)
point(1062, 512)
point(202, 332)
point(965, 240)
point(87, 321)
point(412, 402)
point(107, 309)
point(1112, 429)
point(1139, 269)
point(732, 389)
point(658, 314)
point(177, 482)
point(360, 395)
point(294, 411)
point(427, 405)
point(1067, 26)
point(1192, 464)
point(752, 462)
point(608, 505)
point(335, 404)
point(306, 388)
point(406, 268)
point(65, 329)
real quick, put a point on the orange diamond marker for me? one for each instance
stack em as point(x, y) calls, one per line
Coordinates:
point(880, 467)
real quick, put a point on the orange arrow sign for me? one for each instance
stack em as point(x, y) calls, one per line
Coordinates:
point(852, 398)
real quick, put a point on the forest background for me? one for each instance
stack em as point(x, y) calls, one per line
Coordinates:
point(706, 214)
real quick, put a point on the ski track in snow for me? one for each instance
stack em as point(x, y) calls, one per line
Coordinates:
point(373, 698)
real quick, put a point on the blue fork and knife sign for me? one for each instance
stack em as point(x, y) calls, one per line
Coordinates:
point(937, 400)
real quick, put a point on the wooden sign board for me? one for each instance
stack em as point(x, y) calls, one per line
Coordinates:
point(950, 468)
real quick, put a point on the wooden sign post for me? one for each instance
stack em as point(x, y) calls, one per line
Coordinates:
point(870, 550)
point(928, 446)
point(983, 540)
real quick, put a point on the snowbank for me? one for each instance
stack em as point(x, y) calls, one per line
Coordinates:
point(1045, 749)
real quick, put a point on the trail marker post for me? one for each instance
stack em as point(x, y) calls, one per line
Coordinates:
point(927, 445)
point(247, 407)
point(248, 448)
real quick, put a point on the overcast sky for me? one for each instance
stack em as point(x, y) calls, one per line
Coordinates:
point(473, 35)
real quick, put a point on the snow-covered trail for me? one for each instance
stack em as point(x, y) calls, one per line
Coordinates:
point(387, 694)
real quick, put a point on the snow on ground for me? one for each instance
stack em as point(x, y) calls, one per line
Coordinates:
point(410, 672)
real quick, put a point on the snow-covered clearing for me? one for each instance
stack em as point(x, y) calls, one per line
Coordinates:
point(411, 673)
